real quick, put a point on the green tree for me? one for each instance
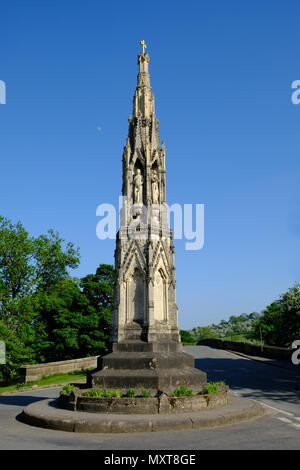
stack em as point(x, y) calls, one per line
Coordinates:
point(76, 315)
point(268, 324)
point(186, 337)
point(280, 321)
point(99, 289)
point(28, 266)
point(204, 332)
point(290, 305)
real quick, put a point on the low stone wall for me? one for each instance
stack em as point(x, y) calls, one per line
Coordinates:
point(251, 349)
point(152, 405)
point(32, 372)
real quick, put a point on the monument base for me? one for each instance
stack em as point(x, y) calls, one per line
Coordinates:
point(48, 414)
point(156, 367)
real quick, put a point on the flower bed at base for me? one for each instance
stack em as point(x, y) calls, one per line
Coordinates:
point(162, 403)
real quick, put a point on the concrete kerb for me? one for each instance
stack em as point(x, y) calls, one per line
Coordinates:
point(46, 414)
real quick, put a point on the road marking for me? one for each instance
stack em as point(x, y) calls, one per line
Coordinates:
point(276, 409)
point(265, 404)
point(285, 420)
point(289, 421)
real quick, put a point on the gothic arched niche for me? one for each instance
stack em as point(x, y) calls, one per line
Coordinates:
point(138, 164)
point(137, 297)
point(160, 296)
point(155, 165)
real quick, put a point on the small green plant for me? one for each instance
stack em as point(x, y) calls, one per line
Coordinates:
point(212, 387)
point(67, 389)
point(108, 393)
point(20, 385)
point(183, 392)
point(145, 394)
point(130, 392)
point(221, 383)
point(93, 392)
point(105, 393)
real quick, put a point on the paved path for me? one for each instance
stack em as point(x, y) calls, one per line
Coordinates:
point(278, 429)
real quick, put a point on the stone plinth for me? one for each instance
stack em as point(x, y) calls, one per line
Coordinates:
point(152, 366)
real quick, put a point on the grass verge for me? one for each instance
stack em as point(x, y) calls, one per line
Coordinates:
point(55, 379)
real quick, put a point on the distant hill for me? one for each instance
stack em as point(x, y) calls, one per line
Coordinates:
point(237, 328)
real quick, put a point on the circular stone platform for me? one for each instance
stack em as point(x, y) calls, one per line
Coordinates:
point(48, 414)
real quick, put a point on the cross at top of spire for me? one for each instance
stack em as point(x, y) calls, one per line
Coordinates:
point(143, 61)
point(143, 44)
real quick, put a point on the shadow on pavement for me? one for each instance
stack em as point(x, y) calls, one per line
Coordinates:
point(19, 400)
point(252, 379)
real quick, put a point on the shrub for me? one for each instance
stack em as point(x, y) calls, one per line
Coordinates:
point(187, 338)
point(183, 392)
point(130, 392)
point(20, 385)
point(105, 393)
point(108, 393)
point(145, 394)
point(94, 392)
point(212, 387)
point(67, 389)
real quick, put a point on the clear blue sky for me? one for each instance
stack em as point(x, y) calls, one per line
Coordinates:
point(221, 72)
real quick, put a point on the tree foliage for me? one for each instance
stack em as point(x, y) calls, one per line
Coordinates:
point(280, 321)
point(186, 337)
point(45, 315)
point(236, 326)
point(76, 324)
point(28, 267)
point(203, 332)
point(99, 289)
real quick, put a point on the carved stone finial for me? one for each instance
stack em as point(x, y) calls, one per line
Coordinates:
point(143, 44)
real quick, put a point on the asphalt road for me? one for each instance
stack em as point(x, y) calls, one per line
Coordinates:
point(273, 386)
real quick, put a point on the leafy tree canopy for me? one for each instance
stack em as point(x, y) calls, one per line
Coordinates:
point(280, 321)
point(29, 266)
point(186, 337)
point(76, 315)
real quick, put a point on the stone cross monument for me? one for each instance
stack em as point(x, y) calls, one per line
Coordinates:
point(147, 351)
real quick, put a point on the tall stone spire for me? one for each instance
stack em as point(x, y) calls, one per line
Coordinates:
point(143, 149)
point(147, 350)
point(143, 105)
point(145, 252)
